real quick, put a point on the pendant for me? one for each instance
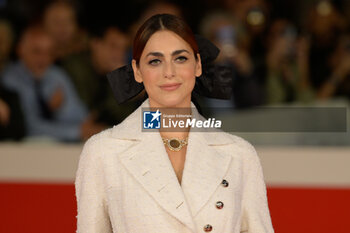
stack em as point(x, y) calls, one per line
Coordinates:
point(174, 144)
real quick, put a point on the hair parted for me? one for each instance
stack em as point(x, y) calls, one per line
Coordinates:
point(161, 22)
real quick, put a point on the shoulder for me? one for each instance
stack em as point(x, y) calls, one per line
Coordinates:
point(12, 76)
point(241, 143)
point(95, 141)
point(11, 70)
point(103, 149)
point(93, 148)
point(237, 146)
point(221, 137)
point(229, 142)
point(108, 141)
point(244, 155)
point(129, 128)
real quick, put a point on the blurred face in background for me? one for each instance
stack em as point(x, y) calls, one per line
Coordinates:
point(36, 51)
point(60, 22)
point(253, 13)
point(109, 52)
point(282, 38)
point(325, 20)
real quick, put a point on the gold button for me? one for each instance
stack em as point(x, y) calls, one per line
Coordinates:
point(208, 228)
point(219, 204)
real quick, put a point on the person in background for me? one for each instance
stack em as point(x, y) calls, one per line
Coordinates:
point(325, 25)
point(6, 41)
point(48, 99)
point(230, 36)
point(12, 125)
point(60, 21)
point(287, 65)
point(254, 16)
point(337, 84)
point(108, 51)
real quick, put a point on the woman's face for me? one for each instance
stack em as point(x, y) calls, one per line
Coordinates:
point(168, 70)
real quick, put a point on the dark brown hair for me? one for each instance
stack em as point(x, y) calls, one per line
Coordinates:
point(162, 22)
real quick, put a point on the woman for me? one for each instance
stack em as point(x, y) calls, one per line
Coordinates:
point(130, 180)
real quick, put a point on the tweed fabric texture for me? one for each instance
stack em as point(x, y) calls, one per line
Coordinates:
point(125, 183)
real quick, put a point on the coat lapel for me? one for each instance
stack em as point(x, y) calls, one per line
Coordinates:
point(205, 168)
point(148, 162)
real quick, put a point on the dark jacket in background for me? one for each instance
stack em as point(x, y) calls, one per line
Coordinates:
point(15, 130)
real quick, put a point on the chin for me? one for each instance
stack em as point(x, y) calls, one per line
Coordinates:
point(171, 102)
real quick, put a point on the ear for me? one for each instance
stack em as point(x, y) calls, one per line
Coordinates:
point(137, 72)
point(198, 70)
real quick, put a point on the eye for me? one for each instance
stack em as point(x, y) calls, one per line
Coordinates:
point(181, 59)
point(154, 62)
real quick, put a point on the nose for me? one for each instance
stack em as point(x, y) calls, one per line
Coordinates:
point(169, 70)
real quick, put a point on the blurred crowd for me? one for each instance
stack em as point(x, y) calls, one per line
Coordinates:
point(53, 71)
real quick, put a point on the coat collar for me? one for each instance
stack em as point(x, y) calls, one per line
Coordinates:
point(148, 162)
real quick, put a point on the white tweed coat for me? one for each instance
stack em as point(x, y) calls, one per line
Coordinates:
point(125, 183)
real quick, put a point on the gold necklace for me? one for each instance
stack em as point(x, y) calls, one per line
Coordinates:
point(175, 144)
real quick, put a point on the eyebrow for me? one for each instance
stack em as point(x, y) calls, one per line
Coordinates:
point(158, 54)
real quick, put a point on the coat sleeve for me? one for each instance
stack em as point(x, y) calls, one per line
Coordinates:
point(90, 192)
point(256, 215)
